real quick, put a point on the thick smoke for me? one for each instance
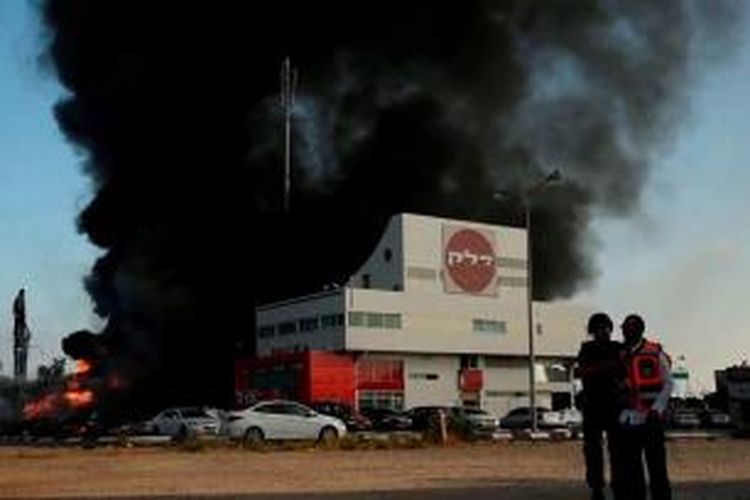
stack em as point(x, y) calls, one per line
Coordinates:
point(420, 106)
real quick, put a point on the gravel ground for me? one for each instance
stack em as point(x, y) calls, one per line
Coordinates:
point(700, 469)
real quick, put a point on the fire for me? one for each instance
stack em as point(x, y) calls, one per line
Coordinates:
point(45, 405)
point(82, 366)
point(79, 398)
point(74, 394)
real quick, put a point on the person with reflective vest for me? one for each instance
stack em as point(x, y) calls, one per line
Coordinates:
point(649, 386)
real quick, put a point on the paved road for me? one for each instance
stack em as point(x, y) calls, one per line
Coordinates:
point(739, 490)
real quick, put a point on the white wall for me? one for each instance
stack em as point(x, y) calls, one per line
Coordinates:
point(421, 392)
point(560, 327)
point(331, 302)
point(434, 320)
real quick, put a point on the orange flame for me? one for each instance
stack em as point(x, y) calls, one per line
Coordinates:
point(82, 366)
point(40, 407)
point(73, 395)
point(79, 398)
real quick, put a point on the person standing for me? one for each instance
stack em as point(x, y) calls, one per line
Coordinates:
point(649, 388)
point(602, 372)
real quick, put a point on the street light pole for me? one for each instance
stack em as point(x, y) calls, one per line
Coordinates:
point(552, 177)
point(530, 312)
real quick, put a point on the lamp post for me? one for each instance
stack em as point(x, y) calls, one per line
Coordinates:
point(554, 176)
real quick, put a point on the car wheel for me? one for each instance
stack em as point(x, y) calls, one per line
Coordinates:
point(253, 437)
point(182, 434)
point(328, 436)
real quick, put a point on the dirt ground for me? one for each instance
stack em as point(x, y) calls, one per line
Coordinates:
point(30, 472)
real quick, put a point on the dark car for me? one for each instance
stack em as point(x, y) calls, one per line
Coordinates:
point(353, 419)
point(684, 418)
point(473, 422)
point(468, 422)
point(715, 419)
point(423, 418)
point(386, 419)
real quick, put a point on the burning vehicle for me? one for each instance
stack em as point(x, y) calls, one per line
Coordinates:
point(80, 404)
point(64, 411)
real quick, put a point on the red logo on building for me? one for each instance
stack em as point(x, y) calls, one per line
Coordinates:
point(469, 259)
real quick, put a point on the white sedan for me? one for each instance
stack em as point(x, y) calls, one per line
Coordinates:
point(282, 420)
point(183, 422)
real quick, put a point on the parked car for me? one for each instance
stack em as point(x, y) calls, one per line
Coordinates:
point(353, 419)
point(183, 422)
point(684, 418)
point(572, 419)
point(474, 422)
point(386, 419)
point(423, 417)
point(471, 422)
point(716, 419)
point(520, 418)
point(282, 420)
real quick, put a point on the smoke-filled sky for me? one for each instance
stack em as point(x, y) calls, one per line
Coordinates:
point(680, 255)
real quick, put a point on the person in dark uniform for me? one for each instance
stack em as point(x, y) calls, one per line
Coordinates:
point(603, 374)
point(649, 388)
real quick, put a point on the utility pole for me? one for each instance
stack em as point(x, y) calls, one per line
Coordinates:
point(288, 87)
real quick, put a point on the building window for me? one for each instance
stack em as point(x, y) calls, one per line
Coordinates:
point(331, 320)
point(423, 376)
point(557, 372)
point(266, 331)
point(382, 374)
point(356, 318)
point(288, 327)
point(469, 361)
point(488, 326)
point(309, 324)
point(392, 400)
point(539, 329)
point(365, 281)
point(389, 321)
point(374, 320)
point(392, 321)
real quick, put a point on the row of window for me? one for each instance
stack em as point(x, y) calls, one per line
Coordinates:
point(391, 321)
point(392, 400)
point(489, 326)
point(308, 324)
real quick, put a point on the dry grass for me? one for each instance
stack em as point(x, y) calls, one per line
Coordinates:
point(218, 468)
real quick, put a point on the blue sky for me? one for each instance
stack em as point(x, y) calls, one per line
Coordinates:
point(41, 191)
point(683, 260)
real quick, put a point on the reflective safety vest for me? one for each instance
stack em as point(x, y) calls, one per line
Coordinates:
point(646, 377)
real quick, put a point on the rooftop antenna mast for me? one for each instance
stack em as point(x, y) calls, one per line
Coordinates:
point(288, 88)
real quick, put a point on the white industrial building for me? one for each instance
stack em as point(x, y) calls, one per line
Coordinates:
point(437, 315)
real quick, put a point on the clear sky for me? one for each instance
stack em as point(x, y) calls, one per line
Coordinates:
point(41, 191)
point(683, 261)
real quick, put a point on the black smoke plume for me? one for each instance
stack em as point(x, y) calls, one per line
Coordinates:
point(420, 106)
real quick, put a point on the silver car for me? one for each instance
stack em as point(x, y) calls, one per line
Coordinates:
point(281, 420)
point(183, 422)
